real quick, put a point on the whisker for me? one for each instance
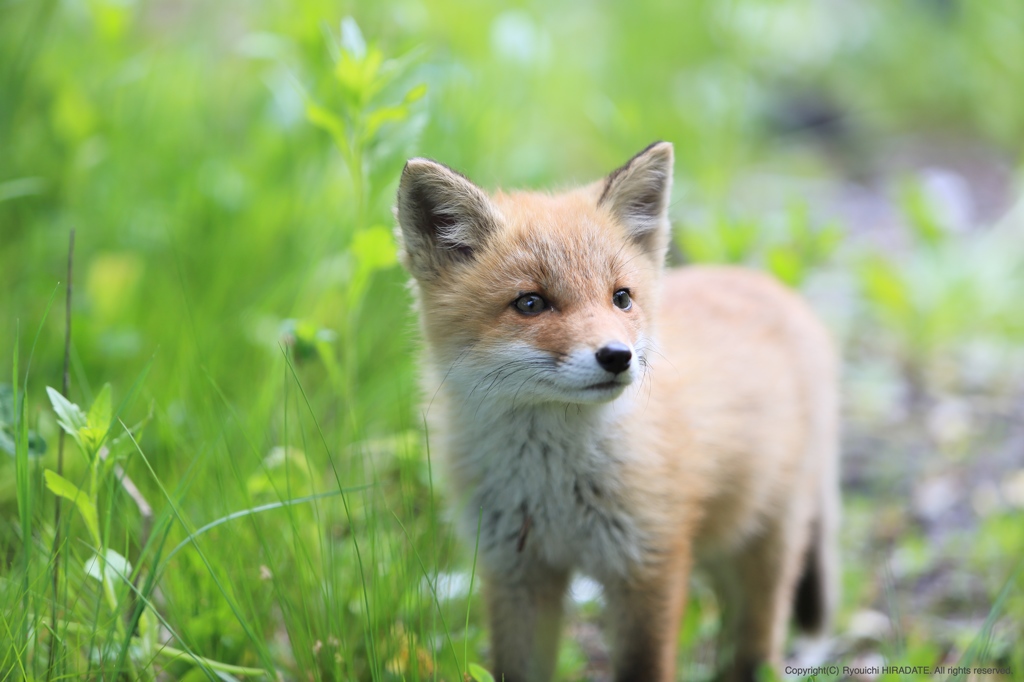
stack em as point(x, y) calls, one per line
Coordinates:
point(516, 396)
point(650, 383)
point(502, 374)
point(458, 359)
point(653, 347)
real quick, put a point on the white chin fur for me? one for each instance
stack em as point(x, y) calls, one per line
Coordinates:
point(604, 394)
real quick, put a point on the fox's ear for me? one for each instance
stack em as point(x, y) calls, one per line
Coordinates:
point(443, 218)
point(638, 195)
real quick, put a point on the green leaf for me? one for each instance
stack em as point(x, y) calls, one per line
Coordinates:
point(786, 264)
point(7, 411)
point(284, 470)
point(91, 438)
point(36, 445)
point(921, 216)
point(8, 417)
point(740, 238)
point(116, 568)
point(322, 117)
point(479, 674)
point(391, 114)
point(416, 93)
point(99, 413)
point(352, 40)
point(7, 440)
point(828, 239)
point(69, 416)
point(93, 435)
point(885, 287)
point(21, 187)
point(305, 337)
point(62, 487)
point(360, 79)
point(149, 632)
point(196, 674)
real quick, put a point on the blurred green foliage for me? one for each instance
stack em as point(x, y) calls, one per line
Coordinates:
point(229, 170)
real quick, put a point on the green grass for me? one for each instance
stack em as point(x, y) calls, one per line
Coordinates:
point(229, 169)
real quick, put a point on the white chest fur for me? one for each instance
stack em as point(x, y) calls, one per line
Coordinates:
point(544, 483)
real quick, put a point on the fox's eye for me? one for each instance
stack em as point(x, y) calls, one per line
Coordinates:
point(530, 304)
point(622, 300)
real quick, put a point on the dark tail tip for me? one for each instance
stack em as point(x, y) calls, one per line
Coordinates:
point(810, 610)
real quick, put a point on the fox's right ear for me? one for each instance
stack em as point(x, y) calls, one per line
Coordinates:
point(443, 218)
point(638, 195)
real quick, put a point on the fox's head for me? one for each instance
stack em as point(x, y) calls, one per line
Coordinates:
point(531, 297)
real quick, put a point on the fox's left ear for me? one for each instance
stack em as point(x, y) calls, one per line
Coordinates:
point(638, 195)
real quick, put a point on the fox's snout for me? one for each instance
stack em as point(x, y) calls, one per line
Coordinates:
point(614, 357)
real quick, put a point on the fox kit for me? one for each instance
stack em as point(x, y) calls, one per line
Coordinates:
point(602, 416)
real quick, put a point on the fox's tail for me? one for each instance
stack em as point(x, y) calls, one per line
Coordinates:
point(815, 597)
point(817, 592)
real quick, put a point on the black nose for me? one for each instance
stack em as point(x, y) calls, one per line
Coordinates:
point(615, 357)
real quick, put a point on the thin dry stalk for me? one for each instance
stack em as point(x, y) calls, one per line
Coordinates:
point(60, 449)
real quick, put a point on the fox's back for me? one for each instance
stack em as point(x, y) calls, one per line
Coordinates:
point(742, 367)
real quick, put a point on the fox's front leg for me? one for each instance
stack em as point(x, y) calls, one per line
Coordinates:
point(643, 615)
point(525, 608)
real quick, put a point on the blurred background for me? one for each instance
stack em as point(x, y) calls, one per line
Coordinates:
point(228, 169)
